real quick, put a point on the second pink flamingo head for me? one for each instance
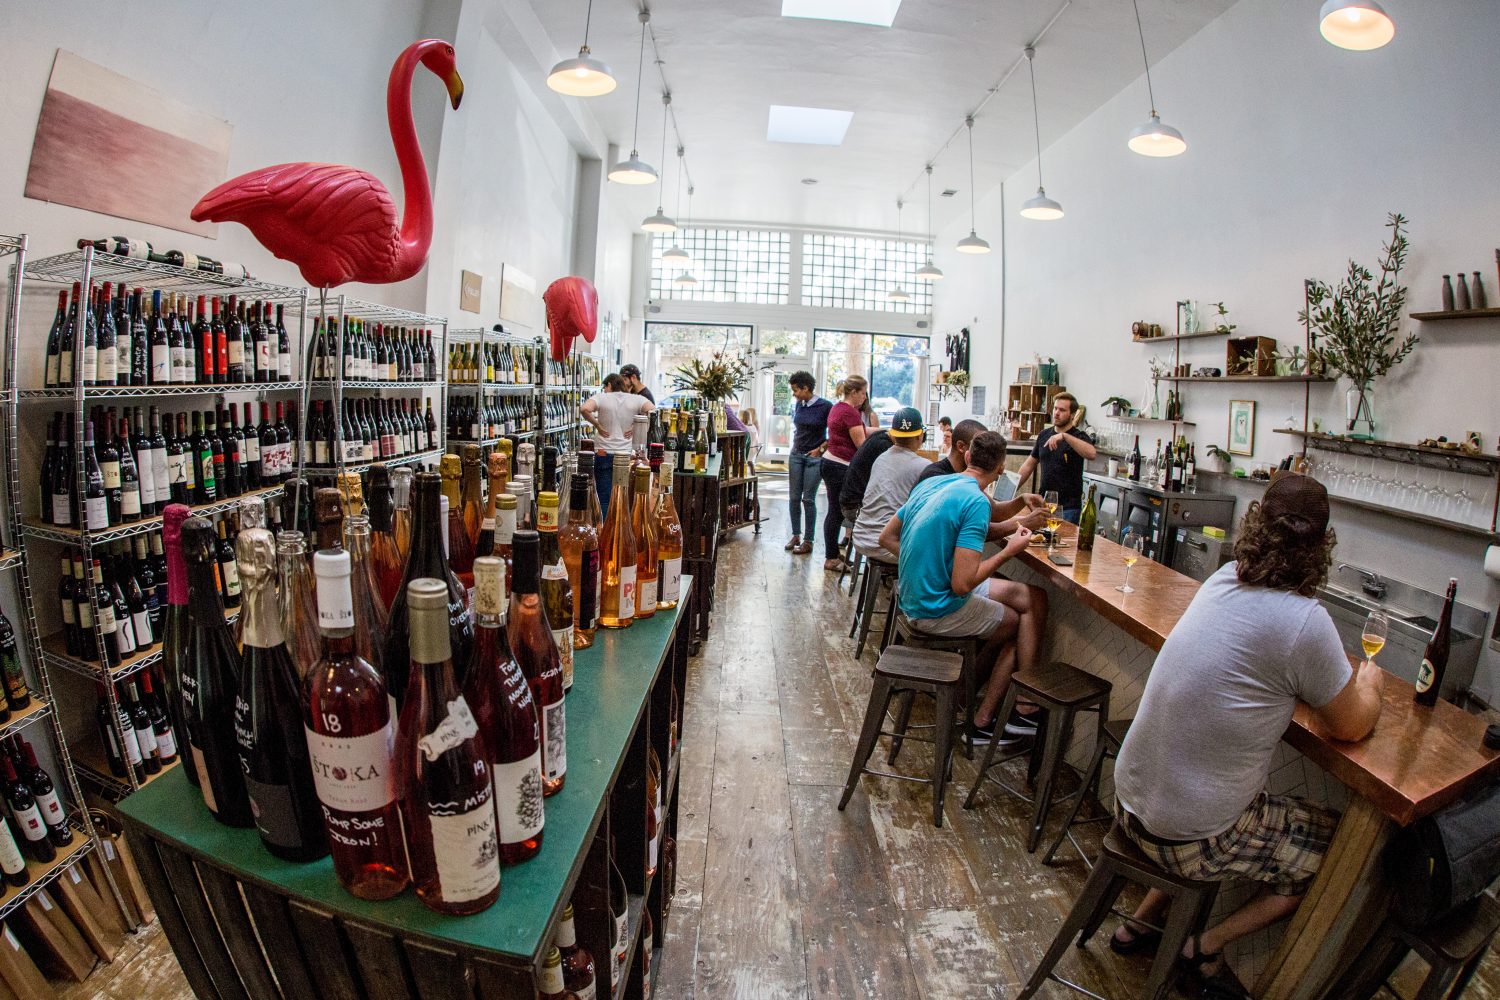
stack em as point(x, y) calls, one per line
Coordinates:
point(437, 56)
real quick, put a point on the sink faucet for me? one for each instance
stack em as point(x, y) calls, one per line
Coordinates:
point(1371, 583)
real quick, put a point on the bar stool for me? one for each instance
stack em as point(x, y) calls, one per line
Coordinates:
point(1062, 691)
point(907, 634)
point(878, 573)
point(1453, 947)
point(1120, 861)
point(1108, 746)
point(906, 669)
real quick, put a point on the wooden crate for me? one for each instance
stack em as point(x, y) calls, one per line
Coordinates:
point(1238, 347)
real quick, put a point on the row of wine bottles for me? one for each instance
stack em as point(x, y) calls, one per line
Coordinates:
point(33, 808)
point(472, 418)
point(141, 741)
point(115, 337)
point(373, 430)
point(133, 469)
point(125, 246)
point(511, 364)
point(371, 352)
point(17, 693)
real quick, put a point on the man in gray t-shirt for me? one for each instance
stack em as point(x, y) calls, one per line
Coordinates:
point(1191, 776)
point(891, 479)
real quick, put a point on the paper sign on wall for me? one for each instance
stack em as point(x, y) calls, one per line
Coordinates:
point(469, 287)
point(976, 400)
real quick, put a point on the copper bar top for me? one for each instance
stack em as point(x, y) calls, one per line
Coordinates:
point(1416, 761)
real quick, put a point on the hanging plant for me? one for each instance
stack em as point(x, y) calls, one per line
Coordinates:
point(956, 384)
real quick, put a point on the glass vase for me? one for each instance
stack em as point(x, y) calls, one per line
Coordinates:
point(1359, 410)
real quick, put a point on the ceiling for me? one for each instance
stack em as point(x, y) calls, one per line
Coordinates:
point(909, 87)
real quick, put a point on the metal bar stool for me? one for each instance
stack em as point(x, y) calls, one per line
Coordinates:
point(1108, 747)
point(1062, 691)
point(878, 573)
point(907, 634)
point(906, 669)
point(1453, 947)
point(1120, 861)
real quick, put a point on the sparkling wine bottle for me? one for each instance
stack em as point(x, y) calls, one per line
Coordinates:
point(299, 610)
point(177, 636)
point(536, 652)
point(501, 700)
point(444, 778)
point(460, 548)
point(471, 507)
point(351, 741)
point(426, 559)
point(385, 558)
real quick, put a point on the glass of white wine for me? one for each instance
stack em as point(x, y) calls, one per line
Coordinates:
point(1373, 636)
point(1133, 542)
point(1049, 500)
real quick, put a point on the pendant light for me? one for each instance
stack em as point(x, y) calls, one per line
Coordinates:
point(971, 243)
point(686, 279)
point(1040, 207)
point(1153, 138)
point(898, 294)
point(929, 271)
point(1360, 25)
point(660, 223)
point(675, 256)
point(584, 76)
point(635, 170)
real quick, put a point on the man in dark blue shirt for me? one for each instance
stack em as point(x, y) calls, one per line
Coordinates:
point(805, 464)
point(1062, 450)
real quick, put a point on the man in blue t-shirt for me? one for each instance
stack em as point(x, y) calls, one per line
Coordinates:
point(946, 586)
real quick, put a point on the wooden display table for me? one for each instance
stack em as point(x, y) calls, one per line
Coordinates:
point(296, 933)
point(739, 487)
point(696, 495)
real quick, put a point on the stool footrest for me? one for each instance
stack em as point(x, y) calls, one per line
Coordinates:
point(893, 774)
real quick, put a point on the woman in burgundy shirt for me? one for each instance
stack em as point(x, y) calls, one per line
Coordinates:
point(846, 432)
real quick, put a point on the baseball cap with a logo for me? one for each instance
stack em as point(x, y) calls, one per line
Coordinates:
point(907, 423)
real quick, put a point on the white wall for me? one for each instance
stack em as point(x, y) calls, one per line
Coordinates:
point(1297, 150)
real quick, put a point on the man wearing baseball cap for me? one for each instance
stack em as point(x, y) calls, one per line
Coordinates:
point(1191, 776)
point(891, 479)
point(632, 376)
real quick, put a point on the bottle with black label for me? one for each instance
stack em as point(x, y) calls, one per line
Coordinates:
point(1435, 658)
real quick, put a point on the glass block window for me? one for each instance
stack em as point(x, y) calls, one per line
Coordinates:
point(859, 272)
point(747, 266)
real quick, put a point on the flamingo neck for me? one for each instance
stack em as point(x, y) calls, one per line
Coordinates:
point(416, 220)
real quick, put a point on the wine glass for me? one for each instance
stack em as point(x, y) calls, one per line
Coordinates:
point(1133, 542)
point(1049, 500)
point(1372, 638)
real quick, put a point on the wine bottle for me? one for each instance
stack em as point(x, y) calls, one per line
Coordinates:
point(51, 374)
point(427, 560)
point(536, 652)
point(210, 683)
point(134, 713)
point(161, 724)
point(385, 558)
point(643, 525)
point(579, 542)
point(17, 694)
point(299, 609)
point(471, 508)
point(550, 984)
point(618, 554)
point(460, 548)
point(557, 592)
point(351, 744)
point(506, 714)
point(668, 548)
point(26, 814)
point(177, 637)
point(577, 964)
point(444, 780)
point(283, 345)
point(648, 944)
point(229, 575)
point(1435, 657)
point(1088, 522)
point(268, 724)
point(371, 618)
point(619, 912)
point(140, 446)
point(402, 480)
point(44, 792)
point(505, 533)
point(12, 861)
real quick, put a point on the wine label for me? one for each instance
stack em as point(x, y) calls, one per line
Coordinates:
point(52, 810)
point(622, 941)
point(11, 860)
point(90, 366)
point(669, 581)
point(236, 351)
point(142, 621)
point(145, 741)
point(161, 364)
point(550, 982)
point(564, 639)
point(284, 366)
point(67, 612)
point(456, 727)
point(320, 452)
point(106, 618)
point(356, 774)
point(252, 448)
point(586, 991)
point(275, 815)
point(62, 509)
point(555, 739)
point(111, 472)
point(204, 785)
point(130, 500)
point(30, 822)
point(627, 592)
point(646, 948)
point(97, 511)
point(518, 798)
point(465, 850)
point(166, 744)
point(132, 748)
point(231, 577)
point(108, 365)
point(177, 469)
point(645, 596)
point(49, 378)
point(1425, 673)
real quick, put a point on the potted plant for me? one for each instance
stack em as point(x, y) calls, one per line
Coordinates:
point(1224, 326)
point(1357, 324)
point(1116, 406)
point(956, 383)
point(717, 379)
point(1222, 458)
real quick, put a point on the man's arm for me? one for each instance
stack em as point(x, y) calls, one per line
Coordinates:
point(1000, 530)
point(1027, 468)
point(890, 535)
point(1354, 711)
point(970, 570)
point(1077, 442)
point(590, 412)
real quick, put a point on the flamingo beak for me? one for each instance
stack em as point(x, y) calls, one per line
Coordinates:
point(455, 84)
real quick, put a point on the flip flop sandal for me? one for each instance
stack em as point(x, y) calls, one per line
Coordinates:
point(1140, 942)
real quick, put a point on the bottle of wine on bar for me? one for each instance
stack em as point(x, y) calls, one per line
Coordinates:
point(426, 559)
point(1133, 461)
point(643, 525)
point(444, 778)
point(1088, 523)
point(618, 553)
point(1435, 658)
point(536, 652)
point(506, 714)
point(211, 683)
point(268, 714)
point(351, 741)
point(668, 547)
point(177, 636)
point(557, 593)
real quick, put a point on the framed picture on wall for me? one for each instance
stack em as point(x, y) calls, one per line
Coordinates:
point(1026, 375)
point(1242, 427)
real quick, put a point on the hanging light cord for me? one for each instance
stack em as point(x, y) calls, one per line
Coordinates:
point(973, 217)
point(661, 180)
point(1035, 117)
point(678, 212)
point(1142, 32)
point(587, 20)
point(929, 213)
point(640, 68)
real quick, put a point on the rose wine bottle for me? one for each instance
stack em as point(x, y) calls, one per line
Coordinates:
point(643, 524)
point(444, 777)
point(668, 548)
point(299, 609)
point(617, 547)
point(211, 683)
point(385, 557)
point(580, 550)
point(177, 636)
point(460, 548)
point(268, 714)
point(351, 742)
point(426, 559)
point(577, 964)
point(557, 593)
point(536, 652)
point(500, 698)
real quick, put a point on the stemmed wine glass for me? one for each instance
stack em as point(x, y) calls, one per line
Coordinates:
point(1049, 500)
point(1134, 543)
point(1372, 638)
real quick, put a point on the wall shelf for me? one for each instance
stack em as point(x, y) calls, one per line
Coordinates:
point(1152, 420)
point(1178, 336)
point(1446, 314)
point(1246, 378)
point(1443, 459)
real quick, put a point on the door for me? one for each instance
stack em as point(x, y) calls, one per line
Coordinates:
point(773, 405)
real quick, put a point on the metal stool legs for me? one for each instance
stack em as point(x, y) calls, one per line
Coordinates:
point(870, 733)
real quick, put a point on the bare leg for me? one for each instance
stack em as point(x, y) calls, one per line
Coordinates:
point(1030, 605)
point(1005, 665)
point(1151, 911)
point(1262, 911)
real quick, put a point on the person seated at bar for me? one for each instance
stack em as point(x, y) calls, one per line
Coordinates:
point(857, 478)
point(1061, 450)
point(945, 425)
point(1022, 509)
point(891, 477)
point(947, 585)
point(1191, 776)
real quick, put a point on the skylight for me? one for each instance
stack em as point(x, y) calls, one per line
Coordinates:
point(817, 126)
point(877, 12)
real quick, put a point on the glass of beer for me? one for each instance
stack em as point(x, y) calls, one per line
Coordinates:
point(1132, 542)
point(1372, 638)
point(1049, 500)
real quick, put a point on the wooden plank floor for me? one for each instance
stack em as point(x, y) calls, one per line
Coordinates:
point(779, 895)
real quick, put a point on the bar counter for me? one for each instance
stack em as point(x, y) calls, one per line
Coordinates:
point(1416, 760)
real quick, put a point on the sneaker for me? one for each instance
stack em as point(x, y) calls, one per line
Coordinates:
point(1021, 725)
point(984, 735)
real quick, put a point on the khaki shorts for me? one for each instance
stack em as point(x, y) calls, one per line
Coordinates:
point(980, 615)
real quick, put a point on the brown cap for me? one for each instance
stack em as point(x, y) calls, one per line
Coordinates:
point(1298, 503)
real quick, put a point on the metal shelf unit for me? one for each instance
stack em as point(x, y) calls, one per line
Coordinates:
point(156, 391)
point(537, 393)
point(13, 560)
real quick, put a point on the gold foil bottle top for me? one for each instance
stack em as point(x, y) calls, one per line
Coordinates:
point(506, 501)
point(546, 511)
point(471, 454)
point(622, 465)
point(489, 586)
point(642, 479)
point(498, 466)
point(255, 557)
point(328, 514)
point(252, 513)
point(451, 466)
point(427, 604)
point(354, 493)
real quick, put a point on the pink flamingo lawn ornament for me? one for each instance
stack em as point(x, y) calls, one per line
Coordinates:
point(572, 309)
point(339, 223)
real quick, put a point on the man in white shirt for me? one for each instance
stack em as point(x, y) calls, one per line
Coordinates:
point(892, 476)
point(612, 413)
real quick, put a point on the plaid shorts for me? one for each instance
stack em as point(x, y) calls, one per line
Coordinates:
point(1278, 839)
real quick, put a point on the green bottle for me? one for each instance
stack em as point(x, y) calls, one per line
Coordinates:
point(1088, 520)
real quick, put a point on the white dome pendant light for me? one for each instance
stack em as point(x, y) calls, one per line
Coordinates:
point(929, 271)
point(584, 76)
point(674, 256)
point(971, 243)
point(1153, 138)
point(1040, 207)
point(660, 223)
point(635, 170)
point(898, 294)
point(1359, 25)
point(686, 279)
